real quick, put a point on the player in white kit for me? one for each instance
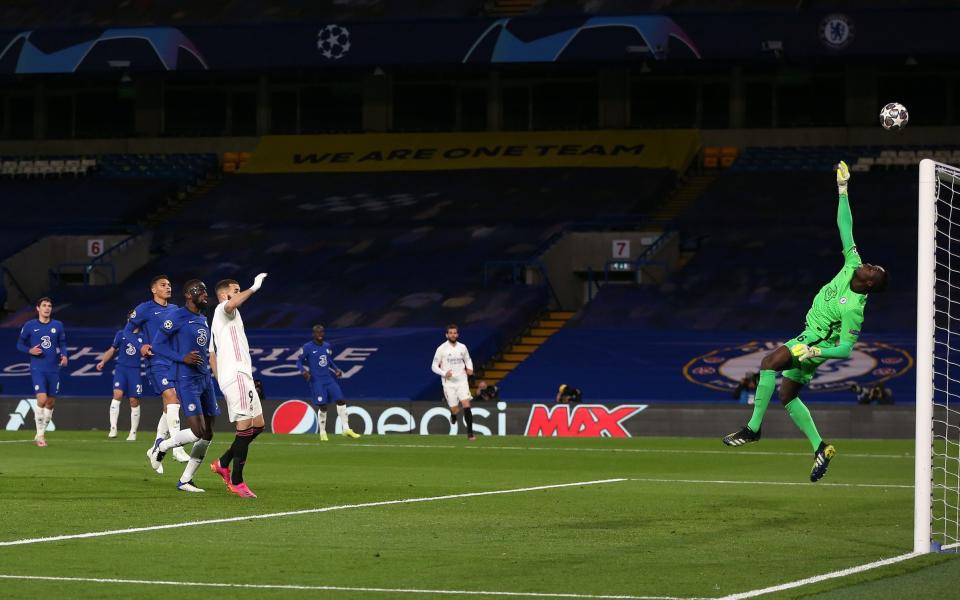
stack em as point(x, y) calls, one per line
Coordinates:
point(453, 364)
point(231, 364)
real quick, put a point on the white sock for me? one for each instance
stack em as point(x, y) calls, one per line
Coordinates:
point(322, 417)
point(196, 457)
point(38, 417)
point(172, 414)
point(342, 413)
point(114, 413)
point(162, 430)
point(182, 438)
point(134, 419)
point(47, 417)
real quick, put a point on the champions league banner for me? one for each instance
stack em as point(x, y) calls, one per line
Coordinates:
point(534, 39)
point(381, 364)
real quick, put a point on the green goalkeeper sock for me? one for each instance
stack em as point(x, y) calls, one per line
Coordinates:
point(801, 416)
point(768, 381)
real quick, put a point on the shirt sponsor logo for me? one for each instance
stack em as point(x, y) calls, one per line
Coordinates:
point(45, 342)
point(869, 363)
point(168, 324)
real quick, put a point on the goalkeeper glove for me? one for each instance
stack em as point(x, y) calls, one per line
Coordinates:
point(843, 177)
point(258, 281)
point(805, 352)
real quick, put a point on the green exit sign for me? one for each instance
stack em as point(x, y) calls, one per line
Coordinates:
point(621, 266)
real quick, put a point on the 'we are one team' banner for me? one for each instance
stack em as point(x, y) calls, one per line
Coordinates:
point(654, 149)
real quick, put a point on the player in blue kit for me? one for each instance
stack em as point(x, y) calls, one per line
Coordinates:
point(184, 339)
point(316, 365)
point(126, 378)
point(45, 341)
point(147, 317)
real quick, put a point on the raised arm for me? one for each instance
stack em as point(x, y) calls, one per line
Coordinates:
point(844, 216)
point(235, 302)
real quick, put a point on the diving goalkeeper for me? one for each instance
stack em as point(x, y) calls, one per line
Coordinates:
point(832, 328)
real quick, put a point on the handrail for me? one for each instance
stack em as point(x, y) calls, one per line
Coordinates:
point(114, 248)
point(16, 284)
point(56, 274)
point(518, 274)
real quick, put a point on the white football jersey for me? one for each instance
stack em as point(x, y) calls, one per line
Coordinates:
point(229, 341)
point(454, 358)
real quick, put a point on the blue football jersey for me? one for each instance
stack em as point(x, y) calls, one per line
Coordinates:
point(128, 348)
point(148, 317)
point(49, 337)
point(318, 359)
point(179, 334)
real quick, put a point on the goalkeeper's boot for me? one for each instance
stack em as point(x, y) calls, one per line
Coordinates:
point(323, 436)
point(189, 486)
point(350, 434)
point(742, 436)
point(843, 177)
point(821, 460)
point(223, 472)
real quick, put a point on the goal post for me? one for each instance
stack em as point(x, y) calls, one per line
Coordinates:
point(937, 461)
point(926, 266)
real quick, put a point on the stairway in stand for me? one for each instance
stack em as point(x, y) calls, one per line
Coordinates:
point(535, 335)
point(173, 205)
point(689, 191)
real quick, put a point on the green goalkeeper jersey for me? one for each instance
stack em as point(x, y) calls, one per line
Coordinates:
point(837, 311)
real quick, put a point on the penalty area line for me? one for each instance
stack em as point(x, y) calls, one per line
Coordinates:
point(825, 577)
point(335, 588)
point(308, 511)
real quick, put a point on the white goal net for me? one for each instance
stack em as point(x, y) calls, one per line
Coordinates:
point(937, 474)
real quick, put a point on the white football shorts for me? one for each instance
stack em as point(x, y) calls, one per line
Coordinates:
point(243, 402)
point(456, 391)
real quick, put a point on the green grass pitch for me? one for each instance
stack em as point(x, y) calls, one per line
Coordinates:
point(683, 523)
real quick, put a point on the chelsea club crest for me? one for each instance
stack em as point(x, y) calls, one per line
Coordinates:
point(868, 364)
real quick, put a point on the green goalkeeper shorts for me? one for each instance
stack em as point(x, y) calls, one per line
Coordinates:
point(802, 372)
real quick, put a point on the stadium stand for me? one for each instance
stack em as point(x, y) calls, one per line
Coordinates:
point(817, 158)
point(391, 249)
point(755, 273)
